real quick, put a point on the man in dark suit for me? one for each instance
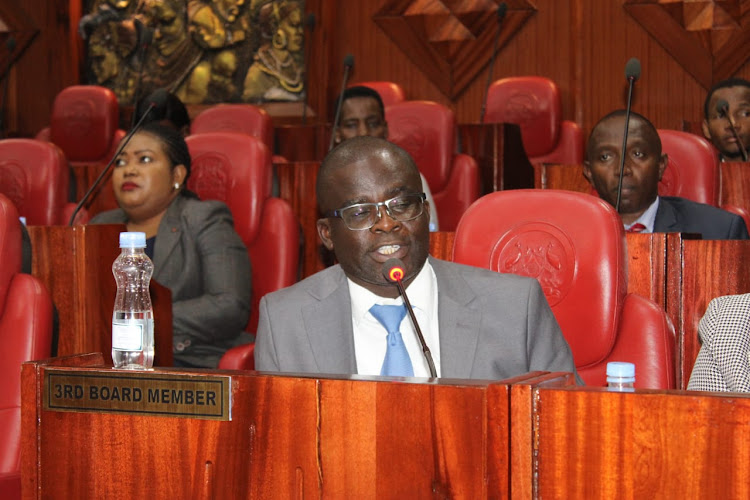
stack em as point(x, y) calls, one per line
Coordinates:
point(478, 323)
point(641, 208)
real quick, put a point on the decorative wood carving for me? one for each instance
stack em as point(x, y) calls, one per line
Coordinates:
point(450, 41)
point(710, 39)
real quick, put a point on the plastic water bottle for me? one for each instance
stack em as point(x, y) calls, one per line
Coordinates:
point(133, 316)
point(621, 376)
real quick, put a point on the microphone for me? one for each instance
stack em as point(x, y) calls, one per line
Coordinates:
point(393, 270)
point(310, 25)
point(722, 107)
point(632, 73)
point(348, 63)
point(10, 46)
point(145, 37)
point(501, 11)
point(157, 99)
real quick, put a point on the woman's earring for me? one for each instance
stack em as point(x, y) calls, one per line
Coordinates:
point(176, 186)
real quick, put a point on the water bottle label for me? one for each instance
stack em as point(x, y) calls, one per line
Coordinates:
point(127, 335)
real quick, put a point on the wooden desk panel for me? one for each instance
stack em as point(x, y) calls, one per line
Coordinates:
point(289, 437)
point(591, 443)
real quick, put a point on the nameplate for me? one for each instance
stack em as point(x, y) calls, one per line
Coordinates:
point(139, 393)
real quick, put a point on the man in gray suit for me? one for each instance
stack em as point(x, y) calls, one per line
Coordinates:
point(478, 323)
point(641, 207)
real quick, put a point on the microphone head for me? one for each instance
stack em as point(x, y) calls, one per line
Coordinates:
point(722, 106)
point(502, 9)
point(348, 60)
point(633, 69)
point(310, 21)
point(10, 43)
point(157, 100)
point(393, 270)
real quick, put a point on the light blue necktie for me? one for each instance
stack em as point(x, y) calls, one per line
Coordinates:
point(397, 362)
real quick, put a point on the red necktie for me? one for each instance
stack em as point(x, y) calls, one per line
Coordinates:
point(636, 228)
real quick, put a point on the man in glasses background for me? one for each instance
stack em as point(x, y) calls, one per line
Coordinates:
point(478, 323)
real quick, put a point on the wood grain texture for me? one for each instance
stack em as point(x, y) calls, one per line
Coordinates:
point(289, 437)
point(592, 443)
point(75, 264)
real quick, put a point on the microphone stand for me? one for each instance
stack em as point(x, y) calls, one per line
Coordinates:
point(425, 349)
point(631, 83)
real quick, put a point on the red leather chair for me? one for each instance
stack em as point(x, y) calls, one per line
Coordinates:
point(693, 170)
point(427, 131)
point(35, 176)
point(26, 331)
point(574, 244)
point(236, 169)
point(84, 124)
point(534, 103)
point(390, 92)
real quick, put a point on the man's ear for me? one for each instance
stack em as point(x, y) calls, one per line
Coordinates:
point(663, 162)
point(587, 171)
point(324, 231)
point(706, 131)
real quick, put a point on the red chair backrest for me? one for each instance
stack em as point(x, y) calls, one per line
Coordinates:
point(574, 245)
point(693, 171)
point(84, 123)
point(534, 103)
point(35, 176)
point(236, 169)
point(426, 130)
point(242, 118)
point(25, 329)
point(390, 92)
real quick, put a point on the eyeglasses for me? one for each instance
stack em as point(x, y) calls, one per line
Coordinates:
point(365, 215)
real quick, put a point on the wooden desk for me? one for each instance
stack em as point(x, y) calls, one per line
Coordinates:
point(288, 437)
point(75, 264)
point(498, 150)
point(590, 443)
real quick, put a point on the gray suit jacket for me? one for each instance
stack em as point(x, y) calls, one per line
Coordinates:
point(678, 215)
point(723, 363)
point(492, 326)
point(202, 260)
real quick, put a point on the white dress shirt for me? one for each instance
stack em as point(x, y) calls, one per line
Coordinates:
point(370, 335)
point(647, 218)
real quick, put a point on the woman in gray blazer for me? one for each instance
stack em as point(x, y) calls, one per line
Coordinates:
point(196, 252)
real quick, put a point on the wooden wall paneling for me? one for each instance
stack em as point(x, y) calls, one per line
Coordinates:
point(710, 268)
point(592, 443)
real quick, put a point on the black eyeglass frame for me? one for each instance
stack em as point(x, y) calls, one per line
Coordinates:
point(338, 213)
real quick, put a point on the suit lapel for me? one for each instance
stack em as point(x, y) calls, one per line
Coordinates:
point(169, 235)
point(459, 322)
point(328, 323)
point(666, 217)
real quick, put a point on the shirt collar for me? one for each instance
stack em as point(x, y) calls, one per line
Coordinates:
point(420, 293)
point(647, 218)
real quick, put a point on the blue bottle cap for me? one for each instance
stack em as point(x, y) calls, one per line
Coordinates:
point(621, 369)
point(133, 240)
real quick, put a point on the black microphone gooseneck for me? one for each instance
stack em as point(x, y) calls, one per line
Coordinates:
point(10, 45)
point(393, 270)
point(310, 25)
point(146, 37)
point(501, 10)
point(722, 107)
point(632, 73)
point(348, 63)
point(158, 98)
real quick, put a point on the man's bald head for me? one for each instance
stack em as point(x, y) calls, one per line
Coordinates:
point(650, 133)
point(351, 151)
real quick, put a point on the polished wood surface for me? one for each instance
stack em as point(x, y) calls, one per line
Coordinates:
point(556, 176)
point(735, 184)
point(498, 150)
point(709, 269)
point(75, 264)
point(591, 443)
point(288, 437)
